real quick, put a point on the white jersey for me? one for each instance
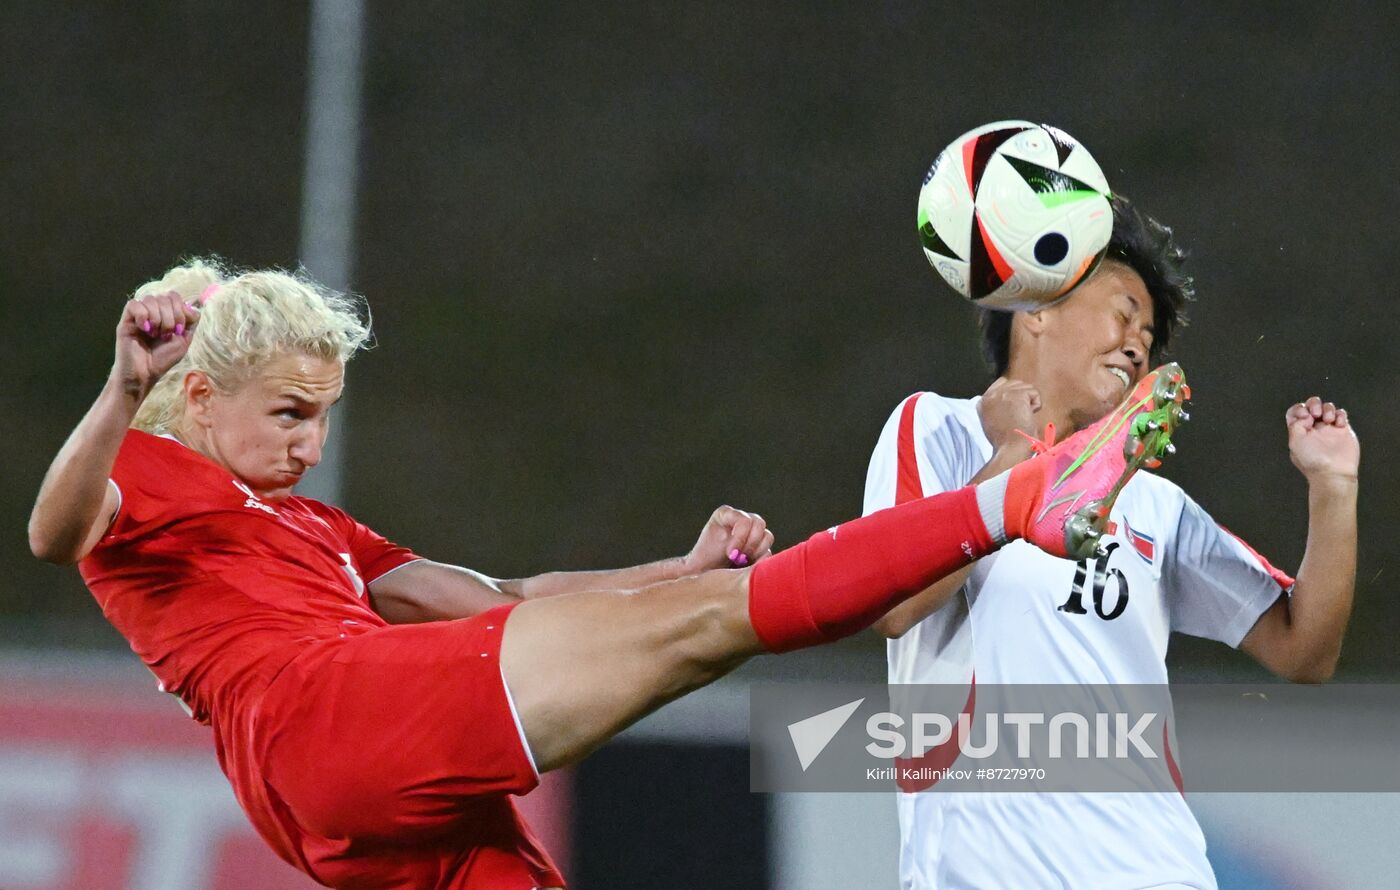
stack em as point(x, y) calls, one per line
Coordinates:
point(1027, 617)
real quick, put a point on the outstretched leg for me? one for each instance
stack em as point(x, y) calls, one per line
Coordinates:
point(584, 666)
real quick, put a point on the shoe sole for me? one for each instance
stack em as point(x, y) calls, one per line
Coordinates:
point(1153, 420)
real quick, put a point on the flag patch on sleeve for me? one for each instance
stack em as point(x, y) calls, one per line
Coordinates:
point(1142, 543)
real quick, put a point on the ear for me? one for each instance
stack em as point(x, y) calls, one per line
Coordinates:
point(199, 397)
point(1030, 325)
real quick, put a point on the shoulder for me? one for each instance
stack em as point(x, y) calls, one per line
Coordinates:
point(327, 516)
point(318, 508)
point(142, 453)
point(1158, 510)
point(161, 468)
point(927, 412)
point(333, 516)
point(930, 443)
point(1149, 487)
point(160, 481)
point(1151, 503)
point(140, 447)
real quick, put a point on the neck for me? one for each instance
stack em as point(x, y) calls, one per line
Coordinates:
point(189, 436)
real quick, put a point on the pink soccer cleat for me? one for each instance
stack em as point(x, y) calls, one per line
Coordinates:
point(1059, 500)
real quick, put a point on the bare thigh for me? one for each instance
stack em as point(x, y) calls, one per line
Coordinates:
point(584, 666)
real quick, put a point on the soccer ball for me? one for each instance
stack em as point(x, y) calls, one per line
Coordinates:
point(1013, 215)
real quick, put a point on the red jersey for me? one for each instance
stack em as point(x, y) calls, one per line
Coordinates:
point(217, 590)
point(221, 593)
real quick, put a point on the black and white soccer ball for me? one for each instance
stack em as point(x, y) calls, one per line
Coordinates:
point(1014, 215)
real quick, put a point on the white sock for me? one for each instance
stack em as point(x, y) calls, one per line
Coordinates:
point(991, 502)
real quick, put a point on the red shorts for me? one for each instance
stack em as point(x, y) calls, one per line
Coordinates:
point(387, 760)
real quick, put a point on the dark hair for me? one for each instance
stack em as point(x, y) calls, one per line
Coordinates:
point(1138, 241)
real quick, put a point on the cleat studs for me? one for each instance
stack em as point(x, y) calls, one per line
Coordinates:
point(1171, 449)
point(1183, 416)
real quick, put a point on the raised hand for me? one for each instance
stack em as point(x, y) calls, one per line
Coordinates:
point(1321, 441)
point(153, 334)
point(1007, 406)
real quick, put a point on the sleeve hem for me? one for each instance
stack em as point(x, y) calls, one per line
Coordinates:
point(1244, 620)
point(112, 523)
point(390, 571)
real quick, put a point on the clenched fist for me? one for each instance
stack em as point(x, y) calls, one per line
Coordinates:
point(1321, 441)
point(730, 538)
point(1007, 406)
point(153, 334)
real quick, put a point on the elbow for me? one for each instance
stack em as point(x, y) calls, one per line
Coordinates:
point(1312, 675)
point(1313, 671)
point(50, 554)
point(45, 547)
point(891, 627)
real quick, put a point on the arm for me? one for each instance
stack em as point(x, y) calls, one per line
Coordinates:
point(631, 578)
point(1300, 636)
point(428, 591)
point(1007, 406)
point(424, 590)
point(75, 504)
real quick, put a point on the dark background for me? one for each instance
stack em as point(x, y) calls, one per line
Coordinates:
point(630, 261)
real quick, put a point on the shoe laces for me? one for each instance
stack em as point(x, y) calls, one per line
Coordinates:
point(1044, 443)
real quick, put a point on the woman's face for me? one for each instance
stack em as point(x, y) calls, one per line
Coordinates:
point(1095, 346)
point(269, 431)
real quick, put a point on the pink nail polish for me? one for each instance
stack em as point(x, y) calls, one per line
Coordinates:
point(743, 560)
point(179, 329)
point(146, 326)
point(734, 555)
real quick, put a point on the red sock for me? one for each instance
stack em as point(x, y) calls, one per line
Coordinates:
point(842, 580)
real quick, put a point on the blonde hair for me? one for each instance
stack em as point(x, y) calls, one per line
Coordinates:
point(248, 319)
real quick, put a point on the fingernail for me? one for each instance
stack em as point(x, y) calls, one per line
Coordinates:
point(179, 329)
point(146, 326)
point(743, 560)
point(734, 555)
